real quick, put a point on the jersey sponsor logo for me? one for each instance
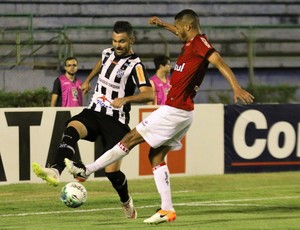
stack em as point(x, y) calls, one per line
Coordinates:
point(104, 82)
point(205, 42)
point(179, 68)
point(140, 73)
point(103, 102)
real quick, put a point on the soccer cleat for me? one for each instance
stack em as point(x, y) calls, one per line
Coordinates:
point(50, 175)
point(161, 216)
point(77, 170)
point(129, 209)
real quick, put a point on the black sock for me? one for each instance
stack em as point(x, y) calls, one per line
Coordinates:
point(119, 182)
point(66, 148)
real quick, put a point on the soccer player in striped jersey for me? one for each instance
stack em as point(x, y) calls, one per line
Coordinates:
point(164, 128)
point(120, 72)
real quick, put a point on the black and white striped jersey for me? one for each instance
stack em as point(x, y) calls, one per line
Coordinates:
point(118, 77)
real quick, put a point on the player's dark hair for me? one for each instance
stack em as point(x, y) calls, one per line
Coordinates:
point(123, 27)
point(186, 12)
point(70, 58)
point(161, 60)
point(189, 15)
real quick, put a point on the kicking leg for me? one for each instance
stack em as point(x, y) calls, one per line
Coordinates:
point(66, 149)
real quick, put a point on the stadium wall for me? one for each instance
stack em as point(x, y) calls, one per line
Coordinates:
point(222, 139)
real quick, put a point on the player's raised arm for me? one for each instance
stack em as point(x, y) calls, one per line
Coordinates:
point(158, 22)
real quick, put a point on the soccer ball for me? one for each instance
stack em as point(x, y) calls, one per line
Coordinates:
point(73, 194)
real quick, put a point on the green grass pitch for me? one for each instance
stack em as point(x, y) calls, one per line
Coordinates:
point(225, 202)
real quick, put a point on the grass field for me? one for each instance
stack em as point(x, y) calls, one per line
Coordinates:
point(225, 202)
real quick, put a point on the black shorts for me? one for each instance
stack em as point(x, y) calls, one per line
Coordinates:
point(99, 124)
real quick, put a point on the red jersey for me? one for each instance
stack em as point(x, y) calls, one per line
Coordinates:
point(189, 72)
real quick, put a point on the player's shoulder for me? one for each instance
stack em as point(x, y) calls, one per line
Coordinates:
point(202, 39)
point(153, 77)
point(134, 58)
point(135, 61)
point(78, 80)
point(108, 51)
point(59, 78)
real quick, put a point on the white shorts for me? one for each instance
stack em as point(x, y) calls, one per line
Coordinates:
point(166, 126)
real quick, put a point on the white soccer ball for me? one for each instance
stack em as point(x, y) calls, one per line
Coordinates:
point(73, 194)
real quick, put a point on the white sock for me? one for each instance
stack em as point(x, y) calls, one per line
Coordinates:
point(116, 153)
point(162, 181)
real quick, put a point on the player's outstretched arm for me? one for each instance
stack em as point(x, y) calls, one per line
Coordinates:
point(156, 21)
point(225, 70)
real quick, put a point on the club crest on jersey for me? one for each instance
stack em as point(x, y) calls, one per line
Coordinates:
point(74, 93)
point(120, 73)
point(179, 68)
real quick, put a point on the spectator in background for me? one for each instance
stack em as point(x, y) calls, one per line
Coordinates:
point(160, 81)
point(67, 88)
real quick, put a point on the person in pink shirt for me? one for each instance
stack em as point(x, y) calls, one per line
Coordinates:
point(160, 81)
point(67, 88)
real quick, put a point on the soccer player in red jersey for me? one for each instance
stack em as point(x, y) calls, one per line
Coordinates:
point(164, 128)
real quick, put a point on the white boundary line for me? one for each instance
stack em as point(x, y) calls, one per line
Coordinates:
point(204, 203)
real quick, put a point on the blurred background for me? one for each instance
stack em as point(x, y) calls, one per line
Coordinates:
point(260, 40)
